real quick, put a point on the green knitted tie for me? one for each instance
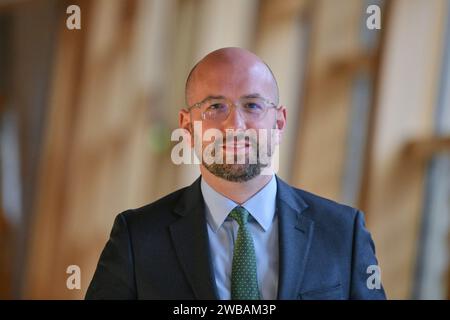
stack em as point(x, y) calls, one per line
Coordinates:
point(244, 280)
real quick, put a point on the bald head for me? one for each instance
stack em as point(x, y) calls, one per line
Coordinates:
point(230, 71)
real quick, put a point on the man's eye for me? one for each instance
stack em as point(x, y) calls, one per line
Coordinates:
point(251, 106)
point(216, 106)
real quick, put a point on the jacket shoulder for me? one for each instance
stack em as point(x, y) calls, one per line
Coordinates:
point(156, 213)
point(327, 212)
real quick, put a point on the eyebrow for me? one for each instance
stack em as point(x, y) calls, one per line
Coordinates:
point(210, 97)
point(213, 97)
point(251, 95)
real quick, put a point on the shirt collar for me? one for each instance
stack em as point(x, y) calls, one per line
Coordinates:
point(261, 205)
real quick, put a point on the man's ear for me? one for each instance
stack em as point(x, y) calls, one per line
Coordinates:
point(281, 121)
point(184, 122)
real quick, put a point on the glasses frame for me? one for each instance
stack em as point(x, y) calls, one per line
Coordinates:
point(231, 103)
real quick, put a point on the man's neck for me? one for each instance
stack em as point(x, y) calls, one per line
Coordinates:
point(239, 192)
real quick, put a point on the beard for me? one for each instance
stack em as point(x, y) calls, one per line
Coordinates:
point(240, 172)
point(235, 172)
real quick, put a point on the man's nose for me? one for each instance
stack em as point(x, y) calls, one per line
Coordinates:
point(235, 119)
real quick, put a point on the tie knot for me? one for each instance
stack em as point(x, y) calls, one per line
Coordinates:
point(240, 214)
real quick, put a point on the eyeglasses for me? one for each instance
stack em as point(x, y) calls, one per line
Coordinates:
point(218, 109)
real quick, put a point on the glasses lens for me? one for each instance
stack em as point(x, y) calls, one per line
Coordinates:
point(254, 106)
point(250, 109)
point(216, 110)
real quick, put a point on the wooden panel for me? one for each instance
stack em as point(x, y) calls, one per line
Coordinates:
point(96, 160)
point(49, 203)
point(285, 25)
point(407, 93)
point(324, 120)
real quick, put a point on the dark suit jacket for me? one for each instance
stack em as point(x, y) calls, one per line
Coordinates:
point(161, 251)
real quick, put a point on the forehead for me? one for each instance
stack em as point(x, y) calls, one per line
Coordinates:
point(231, 80)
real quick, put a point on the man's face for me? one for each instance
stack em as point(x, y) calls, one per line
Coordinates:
point(234, 81)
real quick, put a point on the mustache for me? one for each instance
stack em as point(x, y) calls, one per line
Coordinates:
point(238, 137)
point(237, 140)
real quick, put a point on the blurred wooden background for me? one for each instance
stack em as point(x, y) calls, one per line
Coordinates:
point(86, 117)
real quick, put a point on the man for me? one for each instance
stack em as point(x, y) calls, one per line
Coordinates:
point(236, 232)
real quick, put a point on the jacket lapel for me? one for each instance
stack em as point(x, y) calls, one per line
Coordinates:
point(295, 234)
point(190, 238)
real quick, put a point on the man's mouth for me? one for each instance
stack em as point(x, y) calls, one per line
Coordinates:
point(236, 147)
